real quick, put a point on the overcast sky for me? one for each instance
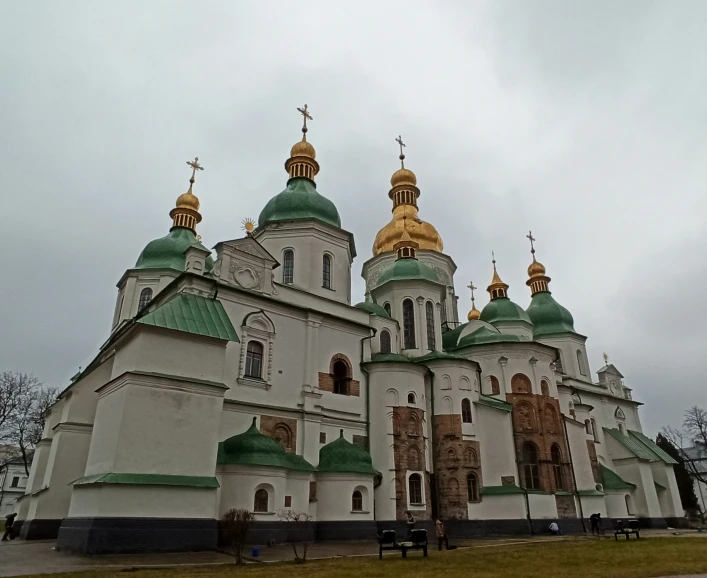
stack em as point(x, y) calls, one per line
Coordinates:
point(583, 121)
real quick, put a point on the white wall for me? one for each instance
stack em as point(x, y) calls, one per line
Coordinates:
point(507, 507)
point(542, 506)
point(334, 493)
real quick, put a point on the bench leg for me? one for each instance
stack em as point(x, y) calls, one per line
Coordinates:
point(424, 550)
point(616, 536)
point(380, 553)
point(637, 536)
point(405, 552)
point(627, 534)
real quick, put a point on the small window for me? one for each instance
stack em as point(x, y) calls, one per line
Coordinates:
point(556, 457)
point(145, 298)
point(415, 489)
point(385, 341)
point(545, 388)
point(411, 398)
point(261, 501)
point(408, 324)
point(531, 474)
point(326, 272)
point(466, 411)
point(288, 266)
point(322, 437)
point(472, 487)
point(288, 501)
point(429, 312)
point(580, 363)
point(386, 306)
point(356, 502)
point(341, 378)
point(254, 360)
point(495, 386)
point(15, 482)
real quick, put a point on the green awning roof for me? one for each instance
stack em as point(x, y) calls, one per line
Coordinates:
point(632, 445)
point(192, 314)
point(208, 482)
point(494, 403)
point(613, 481)
point(652, 446)
point(501, 490)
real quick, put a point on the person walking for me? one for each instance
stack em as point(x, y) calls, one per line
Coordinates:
point(441, 535)
point(9, 521)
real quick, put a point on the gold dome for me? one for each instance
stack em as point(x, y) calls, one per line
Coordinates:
point(303, 149)
point(474, 313)
point(536, 268)
point(188, 201)
point(403, 176)
point(405, 219)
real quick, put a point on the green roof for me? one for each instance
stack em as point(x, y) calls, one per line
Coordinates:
point(484, 336)
point(450, 338)
point(253, 448)
point(341, 456)
point(192, 314)
point(548, 316)
point(408, 269)
point(373, 309)
point(590, 493)
point(613, 481)
point(503, 309)
point(501, 490)
point(208, 482)
point(385, 357)
point(494, 403)
point(438, 355)
point(168, 252)
point(652, 446)
point(637, 448)
point(300, 200)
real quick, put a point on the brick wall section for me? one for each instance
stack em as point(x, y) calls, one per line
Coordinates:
point(283, 429)
point(592, 450)
point(455, 459)
point(326, 383)
point(537, 419)
point(409, 445)
point(566, 506)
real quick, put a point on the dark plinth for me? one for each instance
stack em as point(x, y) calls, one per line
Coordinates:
point(39, 529)
point(136, 535)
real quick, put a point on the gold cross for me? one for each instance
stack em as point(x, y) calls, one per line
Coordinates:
point(606, 359)
point(493, 260)
point(473, 288)
point(305, 113)
point(399, 140)
point(195, 166)
point(532, 239)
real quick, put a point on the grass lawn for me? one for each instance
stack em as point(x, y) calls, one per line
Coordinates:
point(568, 558)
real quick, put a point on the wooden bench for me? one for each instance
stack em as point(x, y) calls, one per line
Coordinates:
point(418, 541)
point(619, 528)
point(386, 541)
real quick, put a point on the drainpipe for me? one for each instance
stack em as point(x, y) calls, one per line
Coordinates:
point(368, 393)
point(432, 437)
point(574, 478)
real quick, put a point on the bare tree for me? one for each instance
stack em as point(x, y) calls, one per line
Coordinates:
point(298, 526)
point(12, 386)
point(237, 523)
point(691, 441)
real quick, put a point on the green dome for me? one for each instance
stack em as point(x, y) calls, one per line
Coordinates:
point(300, 200)
point(341, 456)
point(548, 316)
point(168, 252)
point(253, 448)
point(373, 309)
point(484, 335)
point(408, 270)
point(503, 309)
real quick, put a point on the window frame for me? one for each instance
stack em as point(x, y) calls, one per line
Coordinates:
point(145, 297)
point(467, 416)
point(288, 266)
point(409, 338)
point(417, 479)
point(430, 325)
point(357, 496)
point(388, 348)
point(257, 501)
point(250, 359)
point(531, 468)
point(326, 271)
point(558, 474)
point(472, 489)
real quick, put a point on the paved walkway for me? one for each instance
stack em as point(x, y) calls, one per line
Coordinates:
point(19, 557)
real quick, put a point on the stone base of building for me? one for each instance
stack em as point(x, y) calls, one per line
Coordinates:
point(136, 535)
point(38, 529)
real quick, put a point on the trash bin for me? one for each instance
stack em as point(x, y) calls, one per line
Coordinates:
point(256, 551)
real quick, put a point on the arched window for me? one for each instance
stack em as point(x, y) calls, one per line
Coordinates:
point(470, 457)
point(261, 501)
point(521, 384)
point(385, 341)
point(551, 424)
point(411, 398)
point(356, 502)
point(408, 324)
point(326, 271)
point(413, 458)
point(386, 306)
point(472, 487)
point(145, 298)
point(429, 312)
point(544, 388)
point(594, 430)
point(524, 415)
point(341, 378)
point(254, 360)
point(495, 385)
point(282, 434)
point(451, 457)
point(556, 457)
point(288, 266)
point(415, 489)
point(466, 411)
point(580, 363)
point(588, 426)
point(531, 475)
point(413, 426)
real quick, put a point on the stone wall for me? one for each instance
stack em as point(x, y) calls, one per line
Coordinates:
point(283, 429)
point(409, 455)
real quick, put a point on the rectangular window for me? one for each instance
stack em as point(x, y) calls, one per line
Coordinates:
point(322, 437)
point(288, 501)
point(15, 482)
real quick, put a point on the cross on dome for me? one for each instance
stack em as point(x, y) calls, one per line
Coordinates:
point(195, 167)
point(399, 140)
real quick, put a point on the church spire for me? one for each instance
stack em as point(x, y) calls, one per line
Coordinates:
point(404, 182)
point(186, 212)
point(537, 280)
point(498, 289)
point(474, 313)
point(302, 163)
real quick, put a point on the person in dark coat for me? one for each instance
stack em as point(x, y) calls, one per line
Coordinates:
point(9, 521)
point(441, 535)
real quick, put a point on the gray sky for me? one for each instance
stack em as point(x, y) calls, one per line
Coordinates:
point(583, 121)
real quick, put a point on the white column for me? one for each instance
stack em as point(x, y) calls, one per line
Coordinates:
point(506, 386)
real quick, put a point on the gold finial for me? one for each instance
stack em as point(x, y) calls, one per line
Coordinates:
point(537, 280)
point(399, 140)
point(305, 113)
point(606, 358)
point(186, 212)
point(248, 225)
point(497, 289)
point(474, 313)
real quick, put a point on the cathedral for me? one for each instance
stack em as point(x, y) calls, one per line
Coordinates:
point(243, 377)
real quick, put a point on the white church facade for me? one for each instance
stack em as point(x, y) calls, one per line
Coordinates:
point(244, 377)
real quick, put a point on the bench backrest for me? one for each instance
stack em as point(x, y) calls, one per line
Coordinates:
point(418, 536)
point(633, 524)
point(387, 537)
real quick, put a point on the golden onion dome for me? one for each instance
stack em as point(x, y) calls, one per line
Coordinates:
point(420, 232)
point(536, 268)
point(303, 149)
point(188, 200)
point(403, 176)
point(473, 314)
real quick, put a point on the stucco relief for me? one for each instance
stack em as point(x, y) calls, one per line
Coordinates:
point(244, 275)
